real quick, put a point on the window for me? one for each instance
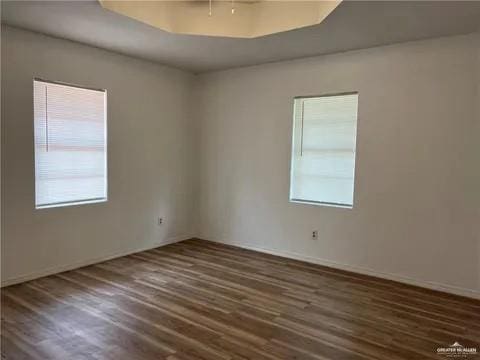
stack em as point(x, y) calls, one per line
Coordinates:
point(323, 150)
point(70, 144)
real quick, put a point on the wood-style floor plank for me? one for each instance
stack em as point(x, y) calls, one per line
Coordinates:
point(199, 300)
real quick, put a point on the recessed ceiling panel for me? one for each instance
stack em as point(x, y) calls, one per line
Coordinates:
point(239, 19)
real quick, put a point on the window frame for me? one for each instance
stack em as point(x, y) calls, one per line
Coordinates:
point(105, 107)
point(292, 153)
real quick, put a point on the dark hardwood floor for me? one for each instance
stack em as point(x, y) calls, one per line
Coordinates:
point(200, 300)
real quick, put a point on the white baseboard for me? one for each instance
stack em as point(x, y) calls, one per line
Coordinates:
point(79, 264)
point(360, 270)
point(287, 254)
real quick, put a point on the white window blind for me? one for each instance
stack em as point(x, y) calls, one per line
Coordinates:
point(70, 144)
point(323, 151)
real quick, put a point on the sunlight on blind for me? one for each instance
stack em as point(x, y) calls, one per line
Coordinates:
point(70, 145)
point(323, 152)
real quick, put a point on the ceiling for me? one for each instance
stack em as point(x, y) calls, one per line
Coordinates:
point(352, 25)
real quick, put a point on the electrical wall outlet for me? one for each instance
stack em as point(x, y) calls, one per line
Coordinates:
point(314, 234)
point(159, 221)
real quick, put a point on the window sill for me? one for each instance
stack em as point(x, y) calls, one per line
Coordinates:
point(320, 203)
point(73, 203)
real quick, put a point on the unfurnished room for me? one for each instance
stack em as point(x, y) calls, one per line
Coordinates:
point(240, 180)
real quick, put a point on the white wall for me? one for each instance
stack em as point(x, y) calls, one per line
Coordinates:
point(416, 202)
point(1, 191)
point(415, 216)
point(476, 151)
point(150, 157)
